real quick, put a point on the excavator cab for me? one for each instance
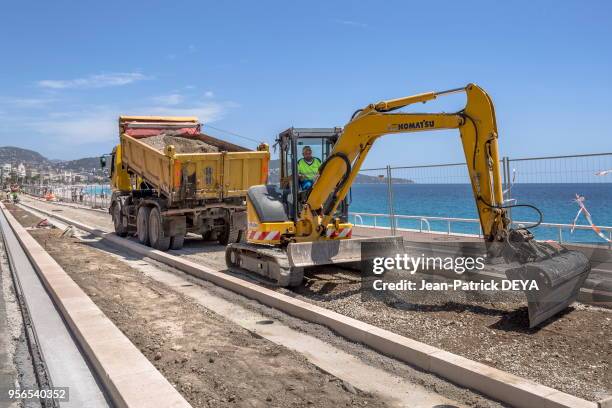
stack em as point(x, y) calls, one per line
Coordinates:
point(291, 143)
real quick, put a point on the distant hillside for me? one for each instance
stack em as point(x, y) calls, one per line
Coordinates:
point(30, 158)
point(84, 163)
point(16, 155)
point(365, 179)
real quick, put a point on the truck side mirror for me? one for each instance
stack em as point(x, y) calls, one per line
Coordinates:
point(103, 161)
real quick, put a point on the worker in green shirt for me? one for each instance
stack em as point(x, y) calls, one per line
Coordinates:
point(308, 168)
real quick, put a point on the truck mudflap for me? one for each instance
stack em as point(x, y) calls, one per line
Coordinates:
point(341, 251)
point(239, 220)
point(175, 225)
point(558, 278)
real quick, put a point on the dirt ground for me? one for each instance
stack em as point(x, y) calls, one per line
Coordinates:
point(572, 354)
point(211, 361)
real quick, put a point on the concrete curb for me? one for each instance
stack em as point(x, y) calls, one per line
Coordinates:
point(605, 403)
point(129, 378)
point(491, 382)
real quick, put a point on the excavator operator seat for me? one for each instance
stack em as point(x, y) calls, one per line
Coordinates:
point(268, 203)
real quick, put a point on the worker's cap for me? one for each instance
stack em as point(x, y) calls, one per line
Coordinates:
point(306, 148)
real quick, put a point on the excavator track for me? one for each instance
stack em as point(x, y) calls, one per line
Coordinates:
point(270, 263)
point(285, 266)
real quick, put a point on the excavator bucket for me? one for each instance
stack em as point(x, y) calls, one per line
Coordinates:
point(558, 279)
point(342, 251)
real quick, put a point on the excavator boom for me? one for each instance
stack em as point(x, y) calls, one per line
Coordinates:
point(478, 130)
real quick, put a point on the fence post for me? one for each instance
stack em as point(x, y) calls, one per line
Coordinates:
point(507, 181)
point(390, 200)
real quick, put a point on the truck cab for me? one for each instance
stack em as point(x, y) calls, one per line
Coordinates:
point(291, 143)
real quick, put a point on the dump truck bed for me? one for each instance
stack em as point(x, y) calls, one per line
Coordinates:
point(173, 157)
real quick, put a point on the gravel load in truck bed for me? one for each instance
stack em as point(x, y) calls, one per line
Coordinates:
point(181, 144)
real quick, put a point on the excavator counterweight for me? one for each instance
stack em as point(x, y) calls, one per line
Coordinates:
point(292, 227)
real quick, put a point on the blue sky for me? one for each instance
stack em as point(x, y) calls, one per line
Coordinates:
point(257, 67)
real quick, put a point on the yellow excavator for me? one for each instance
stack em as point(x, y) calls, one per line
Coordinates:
point(290, 229)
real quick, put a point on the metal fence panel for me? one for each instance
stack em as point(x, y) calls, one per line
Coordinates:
point(370, 194)
point(575, 169)
point(439, 197)
point(88, 195)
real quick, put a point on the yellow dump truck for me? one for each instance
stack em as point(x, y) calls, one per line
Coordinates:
point(169, 179)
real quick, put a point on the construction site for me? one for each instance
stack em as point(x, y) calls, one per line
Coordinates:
point(174, 293)
point(186, 223)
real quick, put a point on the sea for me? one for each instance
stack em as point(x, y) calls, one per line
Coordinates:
point(556, 201)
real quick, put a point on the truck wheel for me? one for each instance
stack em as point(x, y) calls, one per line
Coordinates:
point(156, 231)
point(232, 257)
point(176, 242)
point(229, 235)
point(142, 225)
point(120, 229)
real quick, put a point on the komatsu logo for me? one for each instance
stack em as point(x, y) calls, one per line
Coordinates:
point(424, 124)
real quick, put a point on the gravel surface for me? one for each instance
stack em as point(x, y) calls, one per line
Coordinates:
point(572, 353)
point(181, 144)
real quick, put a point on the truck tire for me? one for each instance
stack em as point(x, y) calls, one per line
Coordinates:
point(230, 234)
point(120, 229)
point(176, 242)
point(156, 231)
point(142, 225)
point(232, 257)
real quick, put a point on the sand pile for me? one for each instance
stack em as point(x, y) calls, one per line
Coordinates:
point(181, 144)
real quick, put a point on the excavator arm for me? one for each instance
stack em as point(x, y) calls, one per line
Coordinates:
point(478, 130)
